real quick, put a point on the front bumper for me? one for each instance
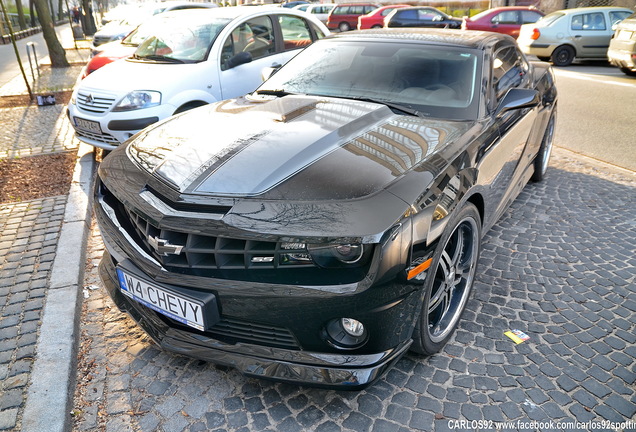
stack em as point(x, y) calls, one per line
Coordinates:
point(116, 127)
point(329, 370)
point(297, 315)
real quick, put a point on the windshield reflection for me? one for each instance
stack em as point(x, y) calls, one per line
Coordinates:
point(433, 81)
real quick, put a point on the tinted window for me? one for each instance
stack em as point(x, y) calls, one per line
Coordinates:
point(440, 82)
point(407, 14)
point(509, 68)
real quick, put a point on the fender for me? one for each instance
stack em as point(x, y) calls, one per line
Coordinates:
point(191, 95)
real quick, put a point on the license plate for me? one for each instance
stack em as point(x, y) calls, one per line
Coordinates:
point(87, 125)
point(164, 301)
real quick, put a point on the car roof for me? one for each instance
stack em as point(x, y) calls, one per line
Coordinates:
point(233, 12)
point(592, 9)
point(471, 39)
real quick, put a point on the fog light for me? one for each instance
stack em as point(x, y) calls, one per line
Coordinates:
point(353, 327)
point(346, 333)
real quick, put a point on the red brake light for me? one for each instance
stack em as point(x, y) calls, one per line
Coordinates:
point(535, 34)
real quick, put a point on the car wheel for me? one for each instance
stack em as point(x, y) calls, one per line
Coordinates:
point(563, 56)
point(376, 26)
point(543, 158)
point(628, 71)
point(343, 27)
point(449, 280)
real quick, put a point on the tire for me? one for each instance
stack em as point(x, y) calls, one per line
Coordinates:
point(563, 56)
point(449, 281)
point(376, 26)
point(343, 27)
point(543, 158)
point(628, 71)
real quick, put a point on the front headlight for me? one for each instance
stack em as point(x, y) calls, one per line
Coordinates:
point(325, 255)
point(139, 99)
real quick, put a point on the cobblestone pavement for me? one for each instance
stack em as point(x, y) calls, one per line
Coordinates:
point(28, 240)
point(29, 234)
point(559, 266)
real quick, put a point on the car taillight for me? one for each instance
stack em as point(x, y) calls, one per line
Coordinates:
point(536, 34)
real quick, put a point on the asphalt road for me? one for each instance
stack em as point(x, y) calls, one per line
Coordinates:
point(596, 112)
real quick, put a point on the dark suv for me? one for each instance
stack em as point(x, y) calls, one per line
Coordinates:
point(421, 17)
point(344, 17)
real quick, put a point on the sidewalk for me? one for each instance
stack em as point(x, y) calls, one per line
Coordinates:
point(42, 247)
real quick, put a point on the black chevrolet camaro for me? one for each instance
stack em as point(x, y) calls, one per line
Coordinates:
point(314, 231)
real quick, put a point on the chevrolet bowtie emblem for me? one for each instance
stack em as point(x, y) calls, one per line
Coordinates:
point(163, 247)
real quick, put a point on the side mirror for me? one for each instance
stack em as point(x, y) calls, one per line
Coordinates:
point(239, 59)
point(517, 99)
point(267, 72)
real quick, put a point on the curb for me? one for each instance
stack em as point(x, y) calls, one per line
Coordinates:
point(50, 396)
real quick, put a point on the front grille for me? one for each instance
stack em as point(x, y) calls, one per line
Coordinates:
point(103, 137)
point(180, 250)
point(94, 103)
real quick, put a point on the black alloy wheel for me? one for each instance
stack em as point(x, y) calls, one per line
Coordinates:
point(543, 157)
point(449, 281)
point(563, 56)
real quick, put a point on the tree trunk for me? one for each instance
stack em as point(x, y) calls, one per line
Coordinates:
point(56, 51)
point(88, 23)
point(21, 18)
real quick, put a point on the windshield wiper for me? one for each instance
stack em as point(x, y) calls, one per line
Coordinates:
point(277, 93)
point(157, 57)
point(398, 107)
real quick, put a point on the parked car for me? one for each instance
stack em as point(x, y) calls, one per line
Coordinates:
point(421, 16)
point(316, 230)
point(506, 19)
point(115, 50)
point(320, 10)
point(375, 18)
point(622, 47)
point(567, 34)
point(344, 17)
point(293, 4)
point(204, 56)
point(117, 29)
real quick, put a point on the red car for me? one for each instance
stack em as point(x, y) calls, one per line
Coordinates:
point(344, 17)
point(506, 20)
point(375, 19)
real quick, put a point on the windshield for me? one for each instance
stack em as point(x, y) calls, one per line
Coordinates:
point(181, 41)
point(427, 80)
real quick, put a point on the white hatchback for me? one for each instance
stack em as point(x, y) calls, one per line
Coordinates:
point(198, 57)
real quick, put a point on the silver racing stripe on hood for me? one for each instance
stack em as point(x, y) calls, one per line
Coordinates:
point(222, 150)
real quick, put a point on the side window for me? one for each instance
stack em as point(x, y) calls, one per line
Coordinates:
point(617, 16)
point(341, 10)
point(317, 31)
point(590, 21)
point(529, 17)
point(255, 36)
point(295, 31)
point(407, 14)
point(507, 17)
point(509, 68)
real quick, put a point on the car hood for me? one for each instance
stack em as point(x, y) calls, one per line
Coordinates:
point(122, 77)
point(291, 148)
